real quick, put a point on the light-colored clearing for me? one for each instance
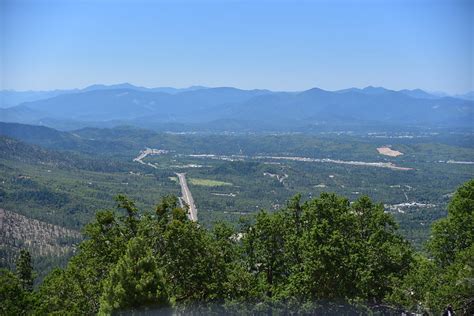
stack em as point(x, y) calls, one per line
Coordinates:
point(402, 207)
point(387, 151)
point(277, 176)
point(149, 151)
point(225, 194)
point(461, 162)
point(207, 182)
point(388, 165)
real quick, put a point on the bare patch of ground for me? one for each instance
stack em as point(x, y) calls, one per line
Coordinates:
point(387, 151)
point(277, 176)
point(149, 151)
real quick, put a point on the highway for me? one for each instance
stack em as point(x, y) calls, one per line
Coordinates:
point(187, 197)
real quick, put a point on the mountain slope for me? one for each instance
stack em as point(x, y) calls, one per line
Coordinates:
point(418, 93)
point(352, 106)
point(466, 96)
point(10, 98)
point(58, 140)
point(115, 104)
point(198, 109)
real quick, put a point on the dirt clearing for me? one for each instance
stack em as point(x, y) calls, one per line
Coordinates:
point(387, 151)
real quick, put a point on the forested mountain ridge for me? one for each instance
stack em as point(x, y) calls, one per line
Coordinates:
point(39, 135)
point(125, 103)
point(203, 109)
point(13, 149)
point(10, 98)
point(306, 257)
point(66, 141)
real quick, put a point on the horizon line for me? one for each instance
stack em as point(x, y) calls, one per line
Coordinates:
point(434, 92)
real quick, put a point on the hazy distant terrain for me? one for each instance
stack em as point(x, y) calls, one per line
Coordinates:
point(10, 98)
point(231, 109)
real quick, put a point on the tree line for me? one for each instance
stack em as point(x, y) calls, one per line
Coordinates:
point(324, 255)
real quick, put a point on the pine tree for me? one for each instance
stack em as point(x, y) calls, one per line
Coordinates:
point(24, 270)
point(135, 281)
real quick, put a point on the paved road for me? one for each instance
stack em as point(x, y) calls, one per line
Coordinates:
point(187, 197)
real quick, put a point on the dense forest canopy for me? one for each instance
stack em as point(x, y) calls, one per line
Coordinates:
point(307, 256)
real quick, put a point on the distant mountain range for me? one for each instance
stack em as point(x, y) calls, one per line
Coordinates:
point(9, 98)
point(225, 108)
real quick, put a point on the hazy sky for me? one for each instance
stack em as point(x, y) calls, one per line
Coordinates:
point(279, 45)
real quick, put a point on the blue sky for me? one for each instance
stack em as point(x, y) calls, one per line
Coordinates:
point(278, 45)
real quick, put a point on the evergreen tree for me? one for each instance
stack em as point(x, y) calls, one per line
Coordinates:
point(135, 281)
point(79, 286)
point(60, 294)
point(14, 299)
point(24, 270)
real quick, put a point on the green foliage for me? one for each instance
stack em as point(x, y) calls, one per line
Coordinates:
point(264, 247)
point(326, 249)
point(130, 220)
point(14, 299)
point(455, 284)
point(449, 277)
point(79, 286)
point(194, 260)
point(129, 262)
point(62, 294)
point(135, 281)
point(24, 270)
point(306, 257)
point(411, 292)
point(455, 232)
point(429, 287)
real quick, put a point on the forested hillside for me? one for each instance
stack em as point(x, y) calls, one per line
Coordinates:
point(63, 177)
point(325, 255)
point(50, 245)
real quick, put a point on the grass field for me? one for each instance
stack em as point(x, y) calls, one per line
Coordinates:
point(208, 183)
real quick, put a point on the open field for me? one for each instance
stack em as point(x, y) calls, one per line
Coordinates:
point(387, 151)
point(208, 183)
